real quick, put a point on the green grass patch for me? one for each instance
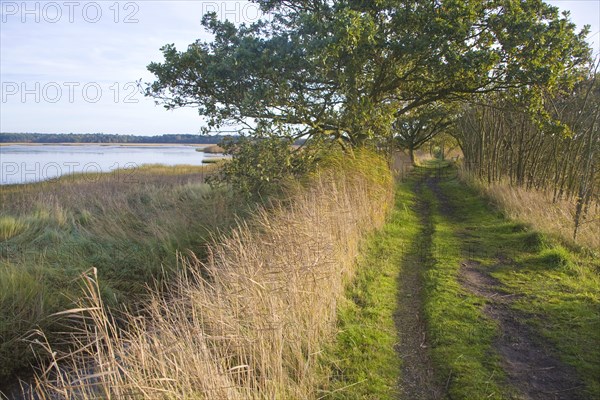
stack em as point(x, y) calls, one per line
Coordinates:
point(362, 362)
point(557, 293)
point(557, 288)
point(562, 299)
point(461, 336)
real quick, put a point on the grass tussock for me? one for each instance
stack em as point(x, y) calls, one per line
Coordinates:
point(250, 321)
point(10, 227)
point(537, 208)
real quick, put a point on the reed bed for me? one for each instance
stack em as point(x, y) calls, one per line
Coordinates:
point(248, 322)
point(129, 224)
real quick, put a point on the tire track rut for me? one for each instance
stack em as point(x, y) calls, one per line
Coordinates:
point(418, 381)
point(528, 359)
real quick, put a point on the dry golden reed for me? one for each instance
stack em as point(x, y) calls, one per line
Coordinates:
point(248, 322)
point(536, 208)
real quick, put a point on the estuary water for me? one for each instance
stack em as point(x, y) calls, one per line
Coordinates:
point(32, 163)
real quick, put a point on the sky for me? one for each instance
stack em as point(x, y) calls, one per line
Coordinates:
point(71, 66)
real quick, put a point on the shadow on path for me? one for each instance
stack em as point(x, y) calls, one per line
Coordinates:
point(418, 381)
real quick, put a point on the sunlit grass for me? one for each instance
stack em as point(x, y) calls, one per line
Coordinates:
point(537, 208)
point(558, 288)
point(248, 320)
point(10, 227)
point(362, 363)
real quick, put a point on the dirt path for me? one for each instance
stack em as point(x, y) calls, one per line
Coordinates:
point(530, 366)
point(417, 381)
point(528, 360)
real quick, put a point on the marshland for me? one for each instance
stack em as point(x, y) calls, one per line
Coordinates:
point(403, 203)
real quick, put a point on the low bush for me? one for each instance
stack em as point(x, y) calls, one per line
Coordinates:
point(259, 166)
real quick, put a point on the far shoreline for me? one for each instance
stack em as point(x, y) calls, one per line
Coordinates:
point(108, 144)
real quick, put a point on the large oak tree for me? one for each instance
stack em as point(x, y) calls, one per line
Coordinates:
point(347, 70)
point(413, 129)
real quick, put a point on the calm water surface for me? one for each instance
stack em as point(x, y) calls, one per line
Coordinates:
point(25, 164)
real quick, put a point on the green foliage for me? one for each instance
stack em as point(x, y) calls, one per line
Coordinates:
point(347, 70)
point(554, 149)
point(259, 166)
point(415, 128)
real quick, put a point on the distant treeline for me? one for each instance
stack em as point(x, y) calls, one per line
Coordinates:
point(105, 138)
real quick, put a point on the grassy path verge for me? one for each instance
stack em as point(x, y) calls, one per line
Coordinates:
point(483, 307)
point(542, 300)
point(362, 363)
point(417, 376)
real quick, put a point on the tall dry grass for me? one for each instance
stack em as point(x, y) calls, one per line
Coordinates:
point(249, 322)
point(536, 208)
point(401, 164)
